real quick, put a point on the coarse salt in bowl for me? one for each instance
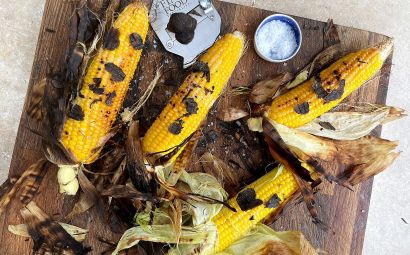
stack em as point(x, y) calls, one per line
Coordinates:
point(278, 38)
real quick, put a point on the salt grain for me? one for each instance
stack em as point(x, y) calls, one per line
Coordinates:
point(276, 39)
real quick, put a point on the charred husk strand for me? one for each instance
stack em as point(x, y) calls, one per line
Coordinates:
point(190, 104)
point(183, 25)
point(105, 85)
point(253, 204)
point(329, 88)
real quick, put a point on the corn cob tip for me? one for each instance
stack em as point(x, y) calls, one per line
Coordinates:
point(385, 48)
point(242, 37)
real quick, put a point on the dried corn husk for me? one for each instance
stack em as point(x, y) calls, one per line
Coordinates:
point(357, 159)
point(196, 213)
point(264, 90)
point(77, 233)
point(264, 240)
point(231, 114)
point(255, 124)
point(351, 125)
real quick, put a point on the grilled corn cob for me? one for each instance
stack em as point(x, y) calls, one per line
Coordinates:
point(323, 92)
point(104, 87)
point(189, 106)
point(254, 203)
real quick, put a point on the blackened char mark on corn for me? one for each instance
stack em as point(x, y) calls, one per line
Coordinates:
point(136, 41)
point(116, 72)
point(318, 88)
point(112, 39)
point(95, 89)
point(273, 202)
point(302, 108)
point(247, 199)
point(97, 81)
point(200, 66)
point(176, 127)
point(333, 95)
point(110, 98)
point(337, 93)
point(76, 113)
point(191, 106)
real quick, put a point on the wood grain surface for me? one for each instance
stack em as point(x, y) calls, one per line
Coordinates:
point(343, 210)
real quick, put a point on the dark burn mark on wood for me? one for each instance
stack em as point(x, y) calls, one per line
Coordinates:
point(50, 30)
point(176, 127)
point(112, 39)
point(200, 66)
point(76, 113)
point(327, 125)
point(333, 95)
point(115, 71)
point(247, 199)
point(136, 41)
point(302, 108)
point(191, 106)
point(95, 89)
point(110, 98)
point(273, 202)
point(97, 81)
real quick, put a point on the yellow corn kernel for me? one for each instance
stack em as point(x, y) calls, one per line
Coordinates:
point(105, 85)
point(317, 96)
point(189, 106)
point(270, 191)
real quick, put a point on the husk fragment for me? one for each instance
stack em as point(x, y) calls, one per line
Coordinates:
point(79, 234)
point(255, 124)
point(194, 216)
point(231, 114)
point(47, 233)
point(264, 90)
point(353, 124)
point(356, 160)
point(263, 240)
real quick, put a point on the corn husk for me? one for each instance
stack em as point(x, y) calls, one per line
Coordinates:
point(353, 124)
point(255, 124)
point(264, 90)
point(264, 240)
point(231, 114)
point(196, 216)
point(357, 160)
point(77, 233)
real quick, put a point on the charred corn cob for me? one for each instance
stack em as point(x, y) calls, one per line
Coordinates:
point(189, 106)
point(254, 203)
point(94, 110)
point(323, 92)
point(105, 84)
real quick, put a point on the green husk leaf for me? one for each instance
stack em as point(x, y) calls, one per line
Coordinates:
point(264, 240)
point(205, 185)
point(352, 124)
point(163, 234)
point(159, 225)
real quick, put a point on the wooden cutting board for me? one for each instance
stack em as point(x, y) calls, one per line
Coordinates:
point(343, 210)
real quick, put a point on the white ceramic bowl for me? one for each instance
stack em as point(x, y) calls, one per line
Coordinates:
point(296, 28)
